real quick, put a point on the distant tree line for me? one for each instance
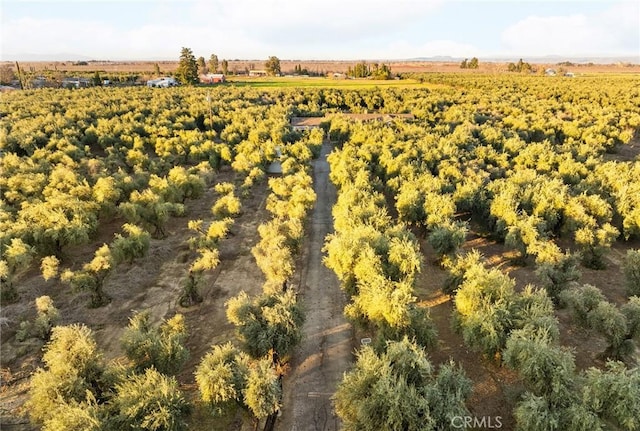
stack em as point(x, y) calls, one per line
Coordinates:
point(374, 71)
point(469, 64)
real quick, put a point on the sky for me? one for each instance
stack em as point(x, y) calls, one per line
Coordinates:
point(318, 29)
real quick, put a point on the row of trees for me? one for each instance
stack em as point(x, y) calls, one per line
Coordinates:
point(392, 385)
point(207, 239)
point(269, 325)
point(373, 71)
point(469, 64)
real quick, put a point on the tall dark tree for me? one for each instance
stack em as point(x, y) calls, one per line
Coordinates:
point(213, 63)
point(187, 72)
point(225, 67)
point(202, 65)
point(272, 65)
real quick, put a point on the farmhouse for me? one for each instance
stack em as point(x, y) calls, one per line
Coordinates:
point(306, 123)
point(255, 73)
point(165, 81)
point(212, 78)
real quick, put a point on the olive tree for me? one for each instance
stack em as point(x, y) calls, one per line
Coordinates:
point(149, 401)
point(268, 323)
point(613, 394)
point(73, 373)
point(556, 275)
point(159, 347)
point(134, 245)
point(92, 276)
point(221, 377)
point(47, 317)
point(399, 390)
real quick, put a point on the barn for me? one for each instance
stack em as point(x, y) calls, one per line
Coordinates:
point(212, 78)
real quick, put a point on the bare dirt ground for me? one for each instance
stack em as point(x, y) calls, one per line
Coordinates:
point(327, 345)
point(151, 283)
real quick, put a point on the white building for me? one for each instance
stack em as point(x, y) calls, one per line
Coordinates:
point(164, 82)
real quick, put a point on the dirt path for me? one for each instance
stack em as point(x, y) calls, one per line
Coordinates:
point(326, 349)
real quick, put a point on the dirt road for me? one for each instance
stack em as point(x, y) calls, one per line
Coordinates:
point(327, 345)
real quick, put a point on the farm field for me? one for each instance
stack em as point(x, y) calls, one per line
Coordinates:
point(478, 257)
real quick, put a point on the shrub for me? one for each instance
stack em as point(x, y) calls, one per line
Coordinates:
point(263, 392)
point(457, 269)
point(226, 206)
point(420, 330)
point(483, 304)
point(548, 370)
point(582, 301)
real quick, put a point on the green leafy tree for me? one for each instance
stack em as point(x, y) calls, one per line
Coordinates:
point(268, 323)
point(547, 369)
point(187, 72)
point(17, 256)
point(263, 391)
point(49, 267)
point(222, 377)
point(446, 239)
point(202, 65)
point(47, 317)
point(556, 275)
point(161, 348)
point(96, 80)
point(213, 63)
point(92, 276)
point(225, 67)
point(399, 391)
point(150, 208)
point(150, 401)
point(73, 374)
point(134, 245)
point(272, 65)
point(614, 393)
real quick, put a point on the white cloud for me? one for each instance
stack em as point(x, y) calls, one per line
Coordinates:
point(613, 32)
point(232, 29)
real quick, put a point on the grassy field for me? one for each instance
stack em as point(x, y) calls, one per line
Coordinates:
point(298, 82)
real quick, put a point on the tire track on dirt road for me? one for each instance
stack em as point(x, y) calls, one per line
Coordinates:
point(325, 352)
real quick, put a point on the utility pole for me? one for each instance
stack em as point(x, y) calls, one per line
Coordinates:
point(20, 77)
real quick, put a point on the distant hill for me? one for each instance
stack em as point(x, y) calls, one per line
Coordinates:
point(61, 56)
point(538, 59)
